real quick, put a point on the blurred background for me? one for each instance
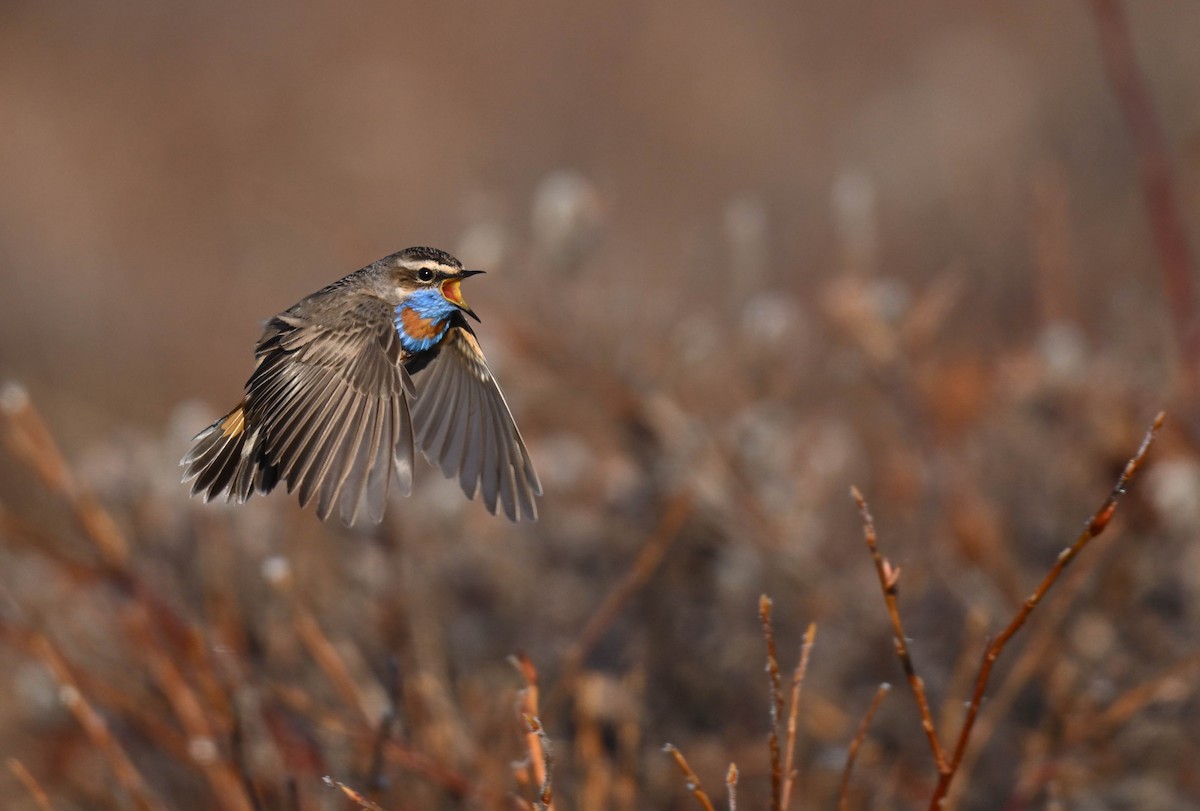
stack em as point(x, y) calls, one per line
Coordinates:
point(740, 256)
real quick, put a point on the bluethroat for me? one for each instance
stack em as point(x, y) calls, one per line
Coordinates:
point(348, 381)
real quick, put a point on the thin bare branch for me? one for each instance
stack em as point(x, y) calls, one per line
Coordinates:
point(226, 785)
point(731, 781)
point(1040, 642)
point(789, 755)
point(690, 778)
point(354, 796)
point(776, 684)
point(1095, 525)
point(417, 762)
point(237, 757)
point(28, 438)
point(95, 727)
point(1158, 186)
point(1175, 683)
point(398, 754)
point(860, 736)
point(653, 550)
point(386, 725)
point(889, 583)
point(545, 796)
point(31, 784)
point(330, 660)
point(538, 743)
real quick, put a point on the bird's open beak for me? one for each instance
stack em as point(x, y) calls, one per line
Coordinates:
point(452, 291)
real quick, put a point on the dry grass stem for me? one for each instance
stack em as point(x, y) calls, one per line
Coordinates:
point(789, 754)
point(690, 779)
point(731, 781)
point(1095, 525)
point(889, 580)
point(856, 744)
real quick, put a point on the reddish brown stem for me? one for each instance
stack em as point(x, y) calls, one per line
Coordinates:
point(96, 727)
point(535, 736)
point(889, 582)
point(40, 798)
point(1097, 524)
point(1154, 165)
point(689, 776)
point(653, 550)
point(852, 752)
point(352, 795)
point(764, 616)
point(789, 755)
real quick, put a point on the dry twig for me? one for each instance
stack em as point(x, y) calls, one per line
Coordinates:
point(400, 755)
point(644, 565)
point(690, 778)
point(417, 762)
point(860, 736)
point(386, 724)
point(1158, 188)
point(540, 756)
point(29, 439)
point(789, 755)
point(354, 796)
point(227, 786)
point(327, 657)
point(1097, 524)
point(95, 727)
point(1175, 683)
point(545, 796)
point(731, 781)
point(889, 580)
point(776, 684)
point(30, 783)
point(1039, 644)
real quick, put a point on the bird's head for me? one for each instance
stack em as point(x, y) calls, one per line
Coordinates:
point(433, 276)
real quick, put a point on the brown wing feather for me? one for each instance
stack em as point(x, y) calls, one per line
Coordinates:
point(329, 395)
point(464, 426)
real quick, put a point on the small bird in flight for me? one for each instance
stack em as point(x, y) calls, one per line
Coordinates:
point(348, 380)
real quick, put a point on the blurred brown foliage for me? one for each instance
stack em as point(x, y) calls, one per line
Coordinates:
point(742, 255)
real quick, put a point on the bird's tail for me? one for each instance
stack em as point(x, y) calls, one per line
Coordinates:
point(227, 459)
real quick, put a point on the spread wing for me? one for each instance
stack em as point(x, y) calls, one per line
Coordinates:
point(329, 393)
point(463, 425)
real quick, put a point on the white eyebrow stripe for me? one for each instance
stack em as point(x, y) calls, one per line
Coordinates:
point(429, 264)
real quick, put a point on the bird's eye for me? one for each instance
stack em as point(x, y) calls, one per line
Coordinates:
point(425, 275)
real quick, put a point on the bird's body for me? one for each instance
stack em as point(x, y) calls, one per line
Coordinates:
point(350, 379)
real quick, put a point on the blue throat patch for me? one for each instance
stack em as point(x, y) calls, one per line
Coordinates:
point(428, 317)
